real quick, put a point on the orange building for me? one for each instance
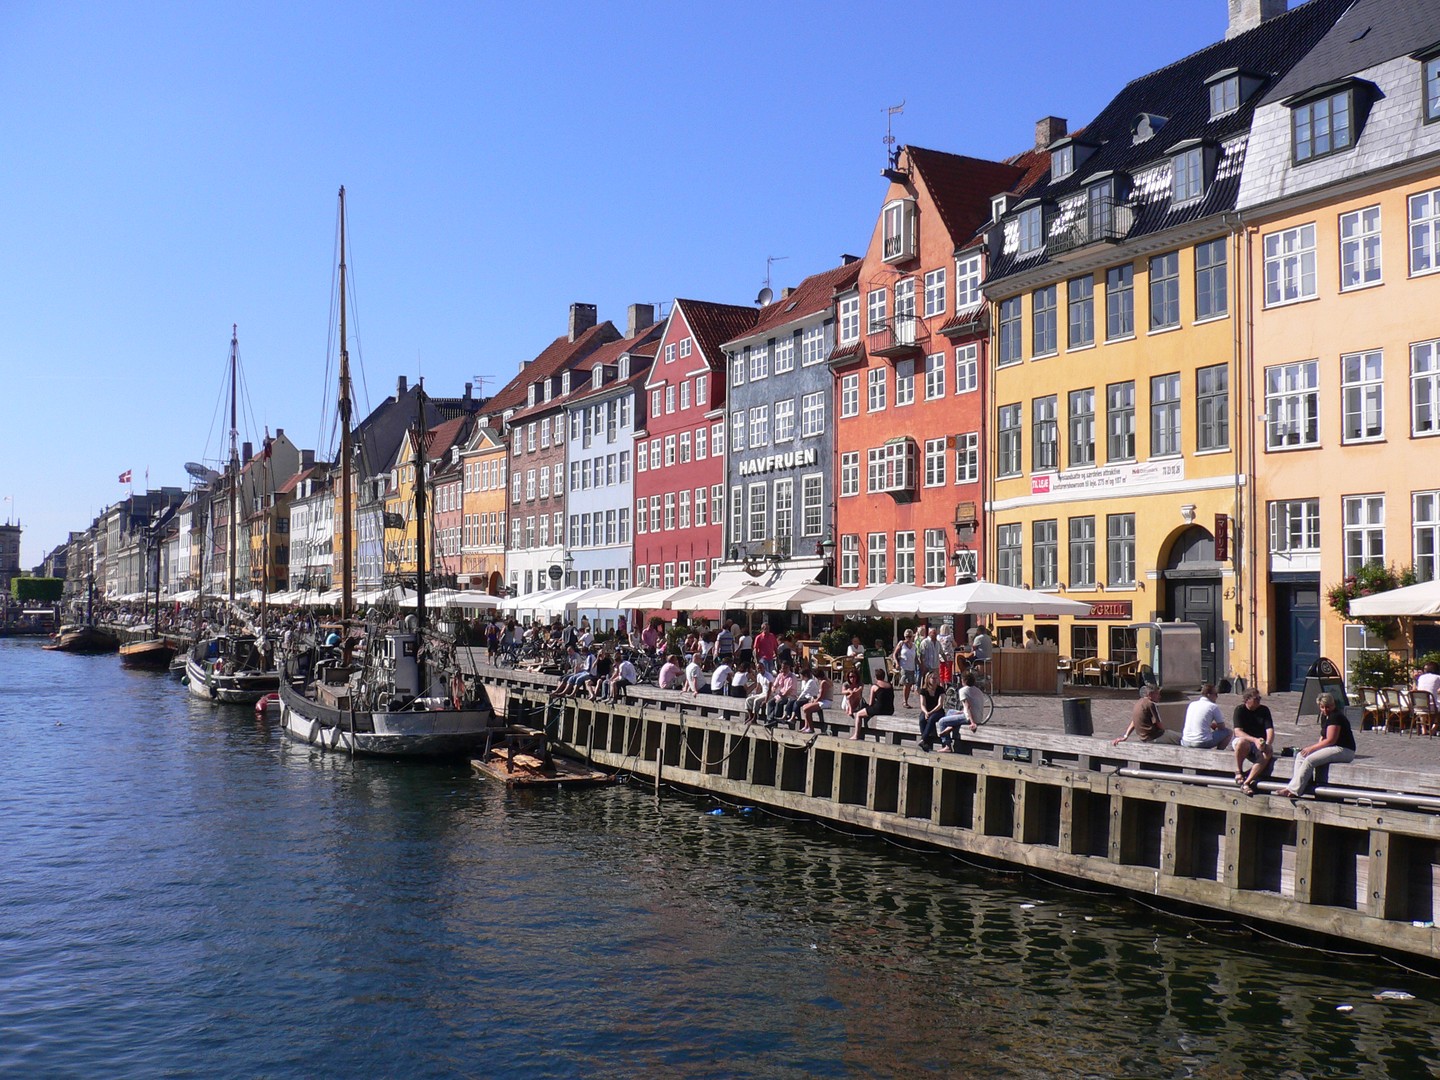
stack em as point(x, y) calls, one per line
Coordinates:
point(482, 553)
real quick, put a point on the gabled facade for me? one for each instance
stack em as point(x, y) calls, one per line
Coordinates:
point(312, 530)
point(910, 377)
point(409, 469)
point(483, 462)
point(780, 396)
point(679, 504)
point(1117, 432)
point(1340, 199)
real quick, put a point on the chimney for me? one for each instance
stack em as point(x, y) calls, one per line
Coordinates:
point(787, 292)
point(468, 388)
point(246, 453)
point(846, 260)
point(307, 459)
point(1248, 14)
point(582, 318)
point(401, 386)
point(1050, 128)
point(638, 317)
point(279, 433)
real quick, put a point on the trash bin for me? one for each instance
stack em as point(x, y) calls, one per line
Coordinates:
point(1077, 716)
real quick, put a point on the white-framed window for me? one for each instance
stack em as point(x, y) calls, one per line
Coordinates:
point(702, 441)
point(1187, 175)
point(1360, 249)
point(737, 370)
point(905, 558)
point(655, 448)
point(530, 437)
point(1292, 405)
point(717, 439)
point(898, 220)
point(850, 472)
point(1120, 421)
point(759, 362)
point(935, 452)
point(1358, 639)
point(737, 431)
point(877, 384)
point(1295, 526)
point(849, 309)
point(684, 509)
point(702, 570)
point(1290, 265)
point(904, 382)
point(1425, 232)
point(737, 515)
point(1045, 553)
point(784, 355)
point(784, 506)
point(967, 368)
point(657, 400)
point(812, 503)
point(530, 485)
point(1043, 337)
point(850, 560)
point(850, 394)
point(685, 395)
point(702, 391)
point(1120, 549)
point(1082, 552)
point(670, 398)
point(968, 275)
point(1425, 388)
point(1164, 415)
point(544, 483)
point(1323, 126)
point(1044, 433)
point(683, 577)
point(1081, 427)
point(642, 516)
point(1009, 566)
point(1010, 439)
point(877, 569)
point(935, 292)
point(1364, 517)
point(759, 426)
point(1062, 161)
point(669, 575)
point(702, 506)
point(1032, 230)
point(669, 450)
point(934, 556)
point(1212, 408)
point(967, 457)
point(670, 353)
point(891, 467)
point(758, 499)
point(1362, 396)
point(685, 347)
point(785, 420)
point(934, 376)
point(812, 415)
point(669, 510)
point(812, 345)
point(1425, 526)
point(684, 447)
point(875, 304)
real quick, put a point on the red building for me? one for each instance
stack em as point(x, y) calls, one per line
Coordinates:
point(680, 447)
point(910, 368)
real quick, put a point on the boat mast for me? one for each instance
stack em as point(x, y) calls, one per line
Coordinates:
point(420, 502)
point(234, 462)
point(347, 496)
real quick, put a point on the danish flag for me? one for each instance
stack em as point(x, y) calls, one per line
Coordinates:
point(125, 476)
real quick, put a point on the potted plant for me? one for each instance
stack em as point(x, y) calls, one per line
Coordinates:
point(1370, 579)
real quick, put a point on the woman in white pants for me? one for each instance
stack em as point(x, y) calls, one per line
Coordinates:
point(1337, 743)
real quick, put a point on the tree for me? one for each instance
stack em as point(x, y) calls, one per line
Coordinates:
point(43, 590)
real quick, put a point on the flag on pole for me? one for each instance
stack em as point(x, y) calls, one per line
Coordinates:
point(125, 476)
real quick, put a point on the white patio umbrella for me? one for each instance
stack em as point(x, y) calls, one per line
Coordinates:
point(469, 598)
point(614, 599)
point(716, 599)
point(578, 598)
point(856, 601)
point(438, 598)
point(1421, 599)
point(668, 598)
point(980, 598)
point(788, 597)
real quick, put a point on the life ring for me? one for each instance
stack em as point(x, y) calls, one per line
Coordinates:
point(457, 690)
point(265, 702)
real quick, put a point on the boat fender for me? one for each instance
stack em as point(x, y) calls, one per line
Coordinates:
point(265, 702)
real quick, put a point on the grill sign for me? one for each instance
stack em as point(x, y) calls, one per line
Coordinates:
point(1109, 609)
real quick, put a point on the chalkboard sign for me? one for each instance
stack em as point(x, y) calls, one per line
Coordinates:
point(1322, 678)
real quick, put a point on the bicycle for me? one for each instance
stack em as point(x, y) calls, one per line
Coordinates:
point(982, 683)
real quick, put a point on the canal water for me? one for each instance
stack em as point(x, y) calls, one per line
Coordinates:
point(184, 893)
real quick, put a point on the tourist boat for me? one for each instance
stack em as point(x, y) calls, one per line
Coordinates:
point(403, 695)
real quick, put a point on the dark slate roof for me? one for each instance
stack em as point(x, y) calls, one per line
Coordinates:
point(641, 348)
point(713, 324)
point(1178, 93)
point(556, 357)
point(961, 187)
point(816, 293)
point(1370, 33)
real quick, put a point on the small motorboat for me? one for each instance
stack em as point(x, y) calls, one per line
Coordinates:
point(151, 654)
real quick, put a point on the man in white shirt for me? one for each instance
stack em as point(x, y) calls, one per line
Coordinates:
point(720, 678)
point(1429, 679)
point(1205, 727)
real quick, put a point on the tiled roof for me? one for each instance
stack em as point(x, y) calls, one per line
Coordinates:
point(558, 355)
point(965, 321)
point(1177, 93)
point(440, 438)
point(294, 481)
point(641, 348)
point(846, 355)
point(1369, 33)
point(961, 187)
point(816, 293)
point(714, 324)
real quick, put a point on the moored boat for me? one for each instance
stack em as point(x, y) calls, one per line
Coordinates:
point(230, 669)
point(83, 639)
point(151, 654)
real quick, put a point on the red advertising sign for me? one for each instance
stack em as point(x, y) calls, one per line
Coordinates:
point(1222, 538)
point(1109, 609)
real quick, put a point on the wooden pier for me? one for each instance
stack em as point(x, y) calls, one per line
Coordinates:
point(1359, 863)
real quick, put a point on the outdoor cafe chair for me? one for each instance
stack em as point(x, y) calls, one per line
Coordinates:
point(1397, 708)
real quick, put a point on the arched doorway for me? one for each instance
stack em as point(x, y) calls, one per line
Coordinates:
point(496, 583)
point(1192, 594)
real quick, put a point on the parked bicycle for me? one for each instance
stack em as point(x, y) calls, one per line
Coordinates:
point(982, 683)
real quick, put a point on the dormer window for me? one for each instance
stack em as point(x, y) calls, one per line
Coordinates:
point(1191, 164)
point(533, 395)
point(999, 207)
point(1327, 119)
point(597, 377)
point(564, 383)
point(1032, 229)
point(1231, 88)
point(1145, 128)
point(549, 389)
point(1062, 161)
point(1430, 80)
point(622, 367)
point(899, 230)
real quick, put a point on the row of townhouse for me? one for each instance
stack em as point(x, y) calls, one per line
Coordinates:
point(1181, 362)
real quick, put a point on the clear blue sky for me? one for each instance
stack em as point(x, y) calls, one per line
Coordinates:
point(168, 170)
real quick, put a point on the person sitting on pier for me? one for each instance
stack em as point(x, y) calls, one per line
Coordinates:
point(671, 673)
point(580, 667)
point(783, 693)
point(811, 702)
point(932, 708)
point(852, 693)
point(759, 696)
point(1254, 741)
point(1337, 743)
point(972, 705)
point(694, 674)
point(720, 678)
point(1205, 727)
point(882, 703)
point(1145, 722)
point(599, 676)
point(625, 675)
point(742, 680)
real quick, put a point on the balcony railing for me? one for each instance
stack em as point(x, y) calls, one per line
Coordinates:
point(898, 337)
point(1104, 221)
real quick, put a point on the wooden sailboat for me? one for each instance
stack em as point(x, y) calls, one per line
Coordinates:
point(225, 668)
point(87, 637)
point(400, 699)
point(152, 653)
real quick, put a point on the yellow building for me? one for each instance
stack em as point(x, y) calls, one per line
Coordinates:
point(1342, 243)
point(484, 462)
point(1114, 444)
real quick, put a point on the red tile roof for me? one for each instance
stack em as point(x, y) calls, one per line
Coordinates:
point(559, 354)
point(443, 436)
point(961, 187)
point(714, 324)
point(815, 293)
point(294, 481)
